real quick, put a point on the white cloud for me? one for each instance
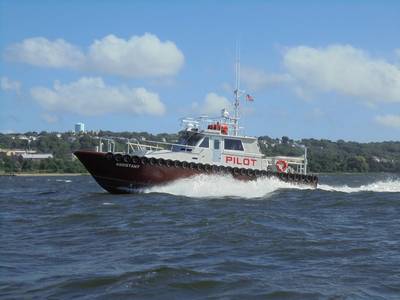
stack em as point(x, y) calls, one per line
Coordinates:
point(7, 131)
point(212, 105)
point(10, 85)
point(91, 96)
point(389, 120)
point(49, 118)
point(137, 57)
point(39, 51)
point(144, 56)
point(256, 79)
point(342, 69)
point(345, 70)
point(227, 88)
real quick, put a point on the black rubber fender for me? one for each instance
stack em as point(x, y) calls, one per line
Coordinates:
point(144, 160)
point(126, 159)
point(160, 162)
point(118, 157)
point(152, 161)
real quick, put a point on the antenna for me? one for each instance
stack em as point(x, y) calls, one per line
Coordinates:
point(237, 91)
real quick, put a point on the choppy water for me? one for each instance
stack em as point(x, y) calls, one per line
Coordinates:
point(204, 238)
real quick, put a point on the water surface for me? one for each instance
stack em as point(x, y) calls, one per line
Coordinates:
point(203, 238)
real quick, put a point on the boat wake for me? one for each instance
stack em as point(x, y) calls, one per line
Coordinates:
point(381, 186)
point(205, 186)
point(217, 186)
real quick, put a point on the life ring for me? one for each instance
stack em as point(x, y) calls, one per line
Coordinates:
point(281, 165)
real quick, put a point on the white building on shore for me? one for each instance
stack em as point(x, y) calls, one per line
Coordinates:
point(79, 128)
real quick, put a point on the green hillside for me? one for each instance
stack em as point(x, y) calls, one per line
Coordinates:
point(323, 155)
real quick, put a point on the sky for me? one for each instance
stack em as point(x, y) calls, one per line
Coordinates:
point(316, 69)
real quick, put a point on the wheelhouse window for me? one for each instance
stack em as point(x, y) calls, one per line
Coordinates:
point(193, 140)
point(205, 143)
point(216, 144)
point(187, 139)
point(231, 144)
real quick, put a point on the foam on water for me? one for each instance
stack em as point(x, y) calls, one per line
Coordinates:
point(204, 186)
point(389, 185)
point(64, 180)
point(221, 186)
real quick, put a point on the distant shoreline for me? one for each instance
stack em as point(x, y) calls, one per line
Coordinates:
point(43, 174)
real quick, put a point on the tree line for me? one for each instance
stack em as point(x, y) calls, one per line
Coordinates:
point(323, 155)
point(339, 156)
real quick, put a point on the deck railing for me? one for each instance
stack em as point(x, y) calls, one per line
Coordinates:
point(296, 164)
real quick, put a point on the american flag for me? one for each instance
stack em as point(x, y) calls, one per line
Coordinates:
point(249, 97)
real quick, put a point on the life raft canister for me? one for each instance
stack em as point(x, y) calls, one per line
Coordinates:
point(281, 165)
point(224, 129)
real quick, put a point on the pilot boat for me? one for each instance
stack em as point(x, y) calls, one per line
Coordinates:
point(209, 146)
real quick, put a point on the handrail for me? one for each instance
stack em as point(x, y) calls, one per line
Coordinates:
point(194, 147)
point(164, 143)
point(292, 158)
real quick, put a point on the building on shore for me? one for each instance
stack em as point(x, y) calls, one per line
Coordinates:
point(16, 152)
point(36, 156)
point(79, 128)
point(25, 154)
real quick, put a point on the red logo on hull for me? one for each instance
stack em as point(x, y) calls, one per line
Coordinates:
point(240, 161)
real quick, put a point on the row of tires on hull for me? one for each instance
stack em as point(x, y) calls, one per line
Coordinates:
point(206, 168)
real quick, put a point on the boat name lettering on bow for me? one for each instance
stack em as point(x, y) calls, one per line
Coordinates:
point(124, 165)
point(240, 161)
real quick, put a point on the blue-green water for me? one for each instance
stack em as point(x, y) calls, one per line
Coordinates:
point(204, 238)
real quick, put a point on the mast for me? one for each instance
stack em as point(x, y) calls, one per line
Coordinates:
point(237, 92)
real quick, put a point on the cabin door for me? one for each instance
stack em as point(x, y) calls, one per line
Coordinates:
point(216, 148)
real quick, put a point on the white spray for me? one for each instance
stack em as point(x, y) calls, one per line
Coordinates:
point(225, 186)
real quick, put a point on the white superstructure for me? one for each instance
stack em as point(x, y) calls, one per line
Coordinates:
point(215, 141)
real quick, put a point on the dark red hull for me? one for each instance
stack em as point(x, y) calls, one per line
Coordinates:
point(120, 177)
